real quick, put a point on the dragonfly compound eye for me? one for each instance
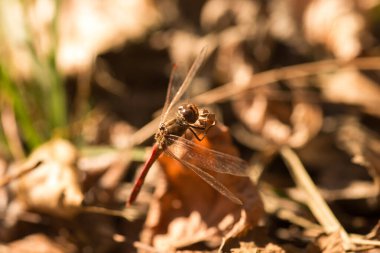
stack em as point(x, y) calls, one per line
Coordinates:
point(189, 112)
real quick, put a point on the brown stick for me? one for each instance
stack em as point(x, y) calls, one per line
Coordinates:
point(9, 178)
point(314, 200)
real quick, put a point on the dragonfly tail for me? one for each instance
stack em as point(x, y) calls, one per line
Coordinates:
point(156, 152)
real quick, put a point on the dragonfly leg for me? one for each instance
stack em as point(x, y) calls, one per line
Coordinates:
point(196, 135)
point(204, 127)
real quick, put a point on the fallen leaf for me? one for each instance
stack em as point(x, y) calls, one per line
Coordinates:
point(363, 146)
point(53, 186)
point(36, 243)
point(351, 87)
point(306, 120)
point(189, 210)
point(280, 123)
point(250, 247)
point(336, 24)
point(88, 28)
point(218, 14)
point(330, 243)
point(84, 29)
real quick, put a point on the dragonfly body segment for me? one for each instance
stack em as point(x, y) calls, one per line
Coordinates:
point(188, 117)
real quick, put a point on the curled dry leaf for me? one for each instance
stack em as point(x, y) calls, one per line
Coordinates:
point(336, 24)
point(285, 21)
point(306, 121)
point(37, 243)
point(330, 243)
point(363, 146)
point(88, 28)
point(351, 87)
point(250, 247)
point(53, 186)
point(190, 211)
point(279, 122)
point(85, 29)
point(219, 13)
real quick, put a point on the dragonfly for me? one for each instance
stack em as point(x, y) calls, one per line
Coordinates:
point(170, 141)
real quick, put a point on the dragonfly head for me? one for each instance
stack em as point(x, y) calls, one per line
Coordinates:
point(189, 112)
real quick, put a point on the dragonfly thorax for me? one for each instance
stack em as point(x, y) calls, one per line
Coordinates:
point(188, 113)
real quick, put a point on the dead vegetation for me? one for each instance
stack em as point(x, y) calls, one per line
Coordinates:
point(294, 86)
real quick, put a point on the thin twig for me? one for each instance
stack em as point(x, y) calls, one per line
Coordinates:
point(143, 133)
point(9, 178)
point(230, 90)
point(361, 241)
point(129, 214)
point(116, 171)
point(314, 200)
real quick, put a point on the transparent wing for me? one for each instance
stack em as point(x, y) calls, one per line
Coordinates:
point(169, 93)
point(208, 178)
point(206, 158)
point(190, 76)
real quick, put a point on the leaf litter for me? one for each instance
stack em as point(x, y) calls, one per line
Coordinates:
point(296, 82)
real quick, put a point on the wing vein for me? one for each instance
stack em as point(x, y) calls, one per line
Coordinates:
point(207, 158)
point(208, 178)
point(189, 77)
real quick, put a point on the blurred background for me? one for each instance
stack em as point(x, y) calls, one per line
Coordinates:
point(81, 80)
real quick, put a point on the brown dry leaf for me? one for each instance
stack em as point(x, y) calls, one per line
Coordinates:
point(53, 186)
point(37, 243)
point(363, 146)
point(191, 211)
point(330, 243)
point(285, 20)
point(306, 120)
point(278, 122)
point(336, 24)
point(88, 28)
point(250, 247)
point(85, 29)
point(219, 13)
point(351, 87)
